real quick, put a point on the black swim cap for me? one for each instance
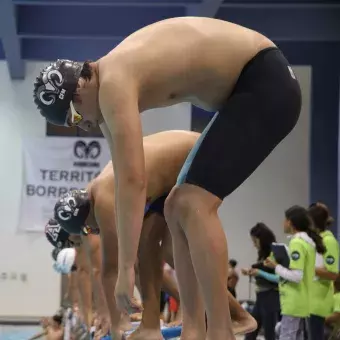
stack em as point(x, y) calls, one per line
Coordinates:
point(57, 236)
point(72, 210)
point(55, 88)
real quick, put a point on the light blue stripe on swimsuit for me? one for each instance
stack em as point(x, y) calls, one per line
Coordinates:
point(187, 164)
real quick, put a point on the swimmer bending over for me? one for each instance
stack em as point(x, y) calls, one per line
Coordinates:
point(82, 276)
point(215, 65)
point(165, 153)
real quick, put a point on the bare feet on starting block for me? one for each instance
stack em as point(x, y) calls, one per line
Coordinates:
point(145, 334)
point(176, 323)
point(125, 323)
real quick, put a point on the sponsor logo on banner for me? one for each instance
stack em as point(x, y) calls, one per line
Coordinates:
point(53, 166)
point(87, 153)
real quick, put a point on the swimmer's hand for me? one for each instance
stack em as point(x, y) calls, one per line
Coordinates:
point(124, 289)
point(270, 263)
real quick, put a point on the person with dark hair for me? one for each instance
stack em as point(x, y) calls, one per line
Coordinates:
point(326, 271)
point(213, 64)
point(267, 306)
point(296, 281)
point(232, 277)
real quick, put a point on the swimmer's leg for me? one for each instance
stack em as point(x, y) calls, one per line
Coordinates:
point(193, 314)
point(150, 272)
point(171, 288)
point(243, 322)
point(169, 285)
point(167, 249)
point(204, 235)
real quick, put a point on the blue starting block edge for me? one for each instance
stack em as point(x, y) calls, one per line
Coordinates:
point(171, 332)
point(168, 333)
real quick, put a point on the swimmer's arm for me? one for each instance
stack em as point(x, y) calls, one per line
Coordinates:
point(268, 276)
point(85, 290)
point(109, 245)
point(72, 288)
point(120, 110)
point(95, 258)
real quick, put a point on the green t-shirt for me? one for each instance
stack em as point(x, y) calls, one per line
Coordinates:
point(322, 289)
point(336, 303)
point(336, 309)
point(295, 297)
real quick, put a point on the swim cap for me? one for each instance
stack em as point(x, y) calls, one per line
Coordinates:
point(65, 261)
point(57, 236)
point(54, 89)
point(72, 210)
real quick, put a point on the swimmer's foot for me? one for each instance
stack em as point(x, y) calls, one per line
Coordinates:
point(244, 326)
point(175, 323)
point(125, 324)
point(136, 305)
point(118, 336)
point(145, 334)
point(178, 320)
point(136, 317)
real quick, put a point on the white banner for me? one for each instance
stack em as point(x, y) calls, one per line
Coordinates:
point(53, 166)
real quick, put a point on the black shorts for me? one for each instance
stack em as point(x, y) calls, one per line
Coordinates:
point(156, 206)
point(262, 110)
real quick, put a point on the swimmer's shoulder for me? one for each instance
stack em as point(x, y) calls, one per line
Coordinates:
point(116, 71)
point(103, 187)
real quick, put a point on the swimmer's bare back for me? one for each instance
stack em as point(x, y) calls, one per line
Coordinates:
point(188, 59)
point(54, 334)
point(165, 153)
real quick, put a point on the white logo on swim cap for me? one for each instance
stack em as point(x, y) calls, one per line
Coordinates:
point(53, 231)
point(66, 210)
point(50, 89)
point(292, 74)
